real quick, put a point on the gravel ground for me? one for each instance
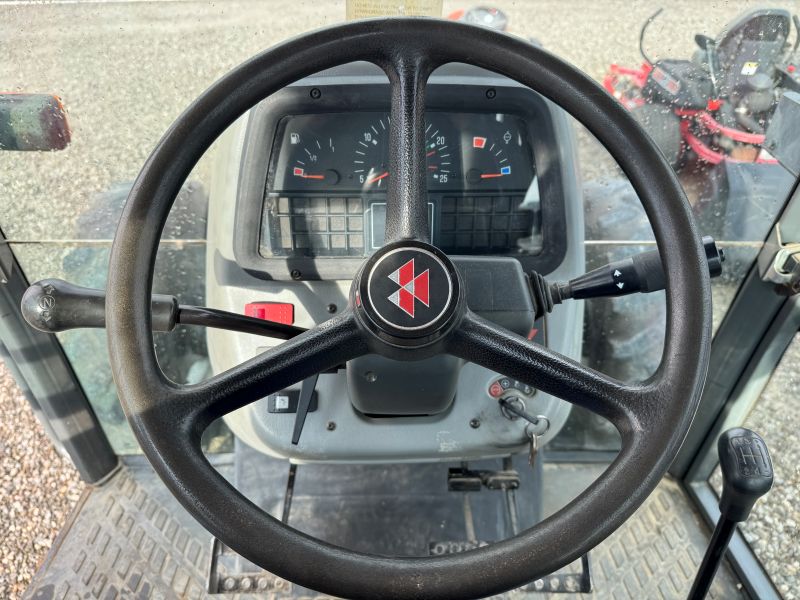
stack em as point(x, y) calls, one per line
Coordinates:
point(38, 488)
point(772, 530)
point(126, 70)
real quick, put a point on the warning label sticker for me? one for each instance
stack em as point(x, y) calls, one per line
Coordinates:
point(749, 68)
point(363, 9)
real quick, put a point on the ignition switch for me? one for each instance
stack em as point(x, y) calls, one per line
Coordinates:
point(513, 408)
point(510, 406)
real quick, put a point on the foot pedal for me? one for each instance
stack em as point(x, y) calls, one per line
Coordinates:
point(463, 480)
point(232, 574)
point(564, 583)
point(557, 583)
point(468, 480)
point(454, 547)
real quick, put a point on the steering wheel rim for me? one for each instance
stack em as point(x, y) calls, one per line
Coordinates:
point(168, 419)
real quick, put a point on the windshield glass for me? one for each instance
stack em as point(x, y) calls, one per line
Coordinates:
point(124, 72)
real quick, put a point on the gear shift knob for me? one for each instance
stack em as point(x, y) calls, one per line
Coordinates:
point(746, 472)
point(746, 476)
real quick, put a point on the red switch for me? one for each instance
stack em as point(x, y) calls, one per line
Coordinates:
point(277, 312)
point(496, 390)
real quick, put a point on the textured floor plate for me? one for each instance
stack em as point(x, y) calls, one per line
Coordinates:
point(131, 539)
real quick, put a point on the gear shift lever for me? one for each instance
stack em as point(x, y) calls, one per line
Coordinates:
point(746, 476)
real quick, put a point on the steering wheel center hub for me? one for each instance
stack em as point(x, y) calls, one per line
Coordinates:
point(408, 290)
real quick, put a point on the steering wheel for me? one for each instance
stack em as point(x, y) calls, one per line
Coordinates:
point(168, 419)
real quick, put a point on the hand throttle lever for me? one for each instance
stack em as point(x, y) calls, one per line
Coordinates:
point(746, 476)
point(641, 273)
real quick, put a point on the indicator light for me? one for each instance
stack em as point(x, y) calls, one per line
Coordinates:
point(478, 142)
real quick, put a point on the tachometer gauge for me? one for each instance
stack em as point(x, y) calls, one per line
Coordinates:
point(485, 160)
point(371, 160)
point(438, 157)
point(310, 158)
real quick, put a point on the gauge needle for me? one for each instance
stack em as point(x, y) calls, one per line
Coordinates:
point(378, 177)
point(490, 175)
point(299, 172)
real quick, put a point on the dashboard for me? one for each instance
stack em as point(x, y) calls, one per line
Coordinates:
point(299, 201)
point(316, 171)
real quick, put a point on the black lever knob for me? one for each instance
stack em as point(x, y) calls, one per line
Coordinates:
point(52, 305)
point(746, 476)
point(746, 472)
point(638, 273)
point(642, 273)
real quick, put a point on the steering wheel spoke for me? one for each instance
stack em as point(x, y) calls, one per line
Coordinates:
point(407, 203)
point(323, 347)
point(484, 343)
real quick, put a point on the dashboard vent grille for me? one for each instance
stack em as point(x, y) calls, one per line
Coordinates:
point(483, 223)
point(317, 226)
point(338, 226)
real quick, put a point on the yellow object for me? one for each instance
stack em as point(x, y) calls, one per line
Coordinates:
point(749, 68)
point(362, 9)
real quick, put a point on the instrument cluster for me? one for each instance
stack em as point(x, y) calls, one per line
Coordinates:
point(329, 172)
point(349, 152)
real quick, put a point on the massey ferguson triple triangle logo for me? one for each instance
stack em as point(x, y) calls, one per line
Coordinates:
point(412, 288)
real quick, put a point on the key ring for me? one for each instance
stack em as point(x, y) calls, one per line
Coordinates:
point(537, 426)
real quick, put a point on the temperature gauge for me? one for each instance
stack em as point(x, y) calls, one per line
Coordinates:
point(485, 160)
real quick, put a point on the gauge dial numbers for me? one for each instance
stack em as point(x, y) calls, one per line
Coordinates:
point(345, 153)
point(439, 155)
point(311, 159)
point(371, 156)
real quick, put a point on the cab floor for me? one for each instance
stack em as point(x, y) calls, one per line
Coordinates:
point(129, 538)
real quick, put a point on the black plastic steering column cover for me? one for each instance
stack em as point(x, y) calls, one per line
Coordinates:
point(168, 419)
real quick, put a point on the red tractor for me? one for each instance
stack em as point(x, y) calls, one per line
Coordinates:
point(718, 105)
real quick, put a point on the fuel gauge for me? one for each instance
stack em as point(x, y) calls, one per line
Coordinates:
point(310, 161)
